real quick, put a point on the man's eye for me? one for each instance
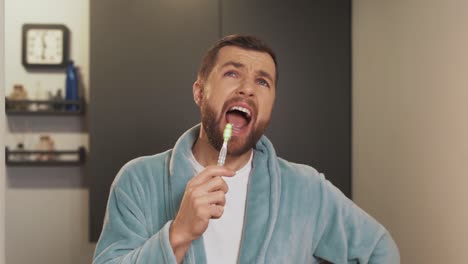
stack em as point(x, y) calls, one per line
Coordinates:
point(231, 74)
point(263, 82)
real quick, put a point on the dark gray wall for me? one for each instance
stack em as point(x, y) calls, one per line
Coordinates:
point(144, 58)
point(312, 118)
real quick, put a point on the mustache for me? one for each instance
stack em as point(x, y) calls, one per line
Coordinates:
point(238, 99)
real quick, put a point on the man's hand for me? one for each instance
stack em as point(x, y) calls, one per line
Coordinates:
point(204, 199)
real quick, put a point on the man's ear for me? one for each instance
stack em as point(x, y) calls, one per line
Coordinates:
point(198, 91)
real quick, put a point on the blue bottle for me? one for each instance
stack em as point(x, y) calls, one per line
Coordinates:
point(71, 86)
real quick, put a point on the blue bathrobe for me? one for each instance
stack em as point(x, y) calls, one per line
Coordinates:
point(293, 214)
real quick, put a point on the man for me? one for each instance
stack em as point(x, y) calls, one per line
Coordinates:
point(179, 206)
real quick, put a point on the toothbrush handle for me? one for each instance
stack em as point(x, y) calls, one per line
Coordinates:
point(222, 154)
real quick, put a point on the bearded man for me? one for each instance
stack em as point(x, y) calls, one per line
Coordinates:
point(179, 206)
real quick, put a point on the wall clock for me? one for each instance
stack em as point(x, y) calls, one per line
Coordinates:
point(45, 46)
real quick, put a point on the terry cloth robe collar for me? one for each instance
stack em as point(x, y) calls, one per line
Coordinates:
point(262, 202)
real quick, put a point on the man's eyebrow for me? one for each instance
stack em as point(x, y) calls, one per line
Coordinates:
point(236, 64)
point(233, 63)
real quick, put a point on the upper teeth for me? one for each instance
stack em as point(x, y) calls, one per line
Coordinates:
point(242, 109)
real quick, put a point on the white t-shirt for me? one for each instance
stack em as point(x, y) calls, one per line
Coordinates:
point(223, 236)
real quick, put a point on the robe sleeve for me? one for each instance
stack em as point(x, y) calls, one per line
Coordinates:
point(350, 235)
point(125, 237)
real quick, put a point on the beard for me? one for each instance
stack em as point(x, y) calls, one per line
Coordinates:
point(212, 126)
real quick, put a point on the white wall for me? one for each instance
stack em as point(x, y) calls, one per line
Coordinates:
point(46, 208)
point(2, 139)
point(410, 125)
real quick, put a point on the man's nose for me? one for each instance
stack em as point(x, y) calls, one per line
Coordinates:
point(246, 89)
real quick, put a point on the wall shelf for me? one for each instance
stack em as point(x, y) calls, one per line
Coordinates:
point(58, 107)
point(49, 158)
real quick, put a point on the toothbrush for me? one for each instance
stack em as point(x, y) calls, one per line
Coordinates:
point(226, 135)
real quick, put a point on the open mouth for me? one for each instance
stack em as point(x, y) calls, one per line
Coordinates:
point(239, 117)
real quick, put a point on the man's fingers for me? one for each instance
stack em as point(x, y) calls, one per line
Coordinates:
point(210, 172)
point(217, 197)
point(212, 198)
point(216, 211)
point(215, 184)
point(212, 185)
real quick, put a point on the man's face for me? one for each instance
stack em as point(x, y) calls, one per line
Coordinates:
point(240, 90)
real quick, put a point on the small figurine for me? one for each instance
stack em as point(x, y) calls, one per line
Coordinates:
point(45, 144)
point(18, 93)
point(20, 156)
point(59, 98)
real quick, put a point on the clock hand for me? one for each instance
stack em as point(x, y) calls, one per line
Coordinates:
point(44, 45)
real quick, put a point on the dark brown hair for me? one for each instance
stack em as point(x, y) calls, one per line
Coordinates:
point(242, 41)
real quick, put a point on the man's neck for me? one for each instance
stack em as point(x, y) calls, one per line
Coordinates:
point(206, 155)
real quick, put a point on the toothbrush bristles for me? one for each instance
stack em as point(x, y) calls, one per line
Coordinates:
point(227, 133)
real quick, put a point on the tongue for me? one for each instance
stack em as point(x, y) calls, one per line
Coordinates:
point(237, 119)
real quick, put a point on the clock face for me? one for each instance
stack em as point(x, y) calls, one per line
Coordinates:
point(45, 46)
